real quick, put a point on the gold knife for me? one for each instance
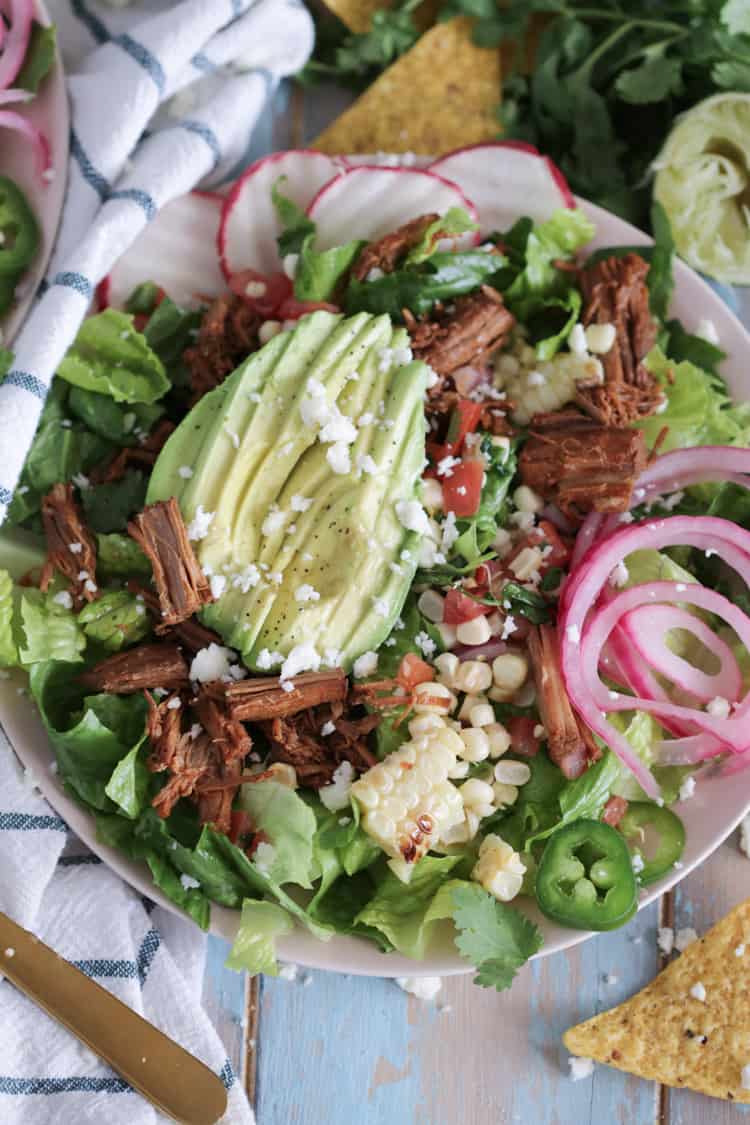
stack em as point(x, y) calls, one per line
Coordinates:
point(177, 1083)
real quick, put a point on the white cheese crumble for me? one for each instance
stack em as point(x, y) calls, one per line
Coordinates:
point(188, 882)
point(75, 548)
point(211, 663)
point(185, 472)
point(263, 857)
point(218, 585)
point(684, 937)
point(687, 789)
point(637, 863)
point(306, 593)
point(619, 575)
point(424, 988)
point(365, 464)
point(740, 950)
point(365, 665)
point(200, 524)
point(338, 428)
point(274, 521)
point(64, 599)
point(302, 658)
point(267, 660)
point(698, 992)
point(665, 940)
point(425, 644)
point(301, 503)
point(380, 605)
point(412, 516)
point(246, 579)
point(707, 331)
point(327, 728)
point(174, 704)
point(289, 265)
point(338, 458)
point(580, 1068)
point(336, 795)
point(718, 707)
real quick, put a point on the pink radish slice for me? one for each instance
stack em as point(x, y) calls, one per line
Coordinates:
point(506, 180)
point(369, 202)
point(249, 227)
point(176, 251)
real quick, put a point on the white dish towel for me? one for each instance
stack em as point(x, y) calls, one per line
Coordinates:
point(122, 65)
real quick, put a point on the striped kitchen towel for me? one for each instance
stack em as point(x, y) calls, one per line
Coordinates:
point(218, 58)
point(151, 959)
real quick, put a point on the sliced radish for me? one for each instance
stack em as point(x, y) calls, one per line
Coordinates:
point(505, 180)
point(247, 235)
point(370, 201)
point(177, 251)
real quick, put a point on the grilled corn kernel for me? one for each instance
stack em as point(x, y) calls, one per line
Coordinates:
point(459, 771)
point(499, 869)
point(447, 665)
point(468, 705)
point(505, 795)
point(476, 745)
point(526, 563)
point(512, 773)
point(434, 698)
point(407, 799)
point(472, 676)
point(478, 797)
point(481, 715)
point(447, 635)
point(431, 605)
point(526, 500)
point(465, 830)
point(600, 338)
point(509, 672)
point(424, 724)
point(474, 632)
point(499, 739)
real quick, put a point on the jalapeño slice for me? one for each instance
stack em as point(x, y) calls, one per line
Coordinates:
point(585, 879)
point(641, 823)
point(19, 233)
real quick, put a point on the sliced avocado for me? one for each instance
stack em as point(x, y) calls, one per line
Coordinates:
point(251, 452)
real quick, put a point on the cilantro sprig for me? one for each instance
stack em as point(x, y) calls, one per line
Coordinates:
point(494, 937)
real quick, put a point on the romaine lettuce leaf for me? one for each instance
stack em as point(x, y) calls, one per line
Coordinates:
point(584, 797)
point(115, 620)
point(254, 948)
point(111, 357)
point(440, 277)
point(129, 784)
point(290, 825)
point(121, 423)
point(699, 411)
point(455, 221)
point(45, 630)
point(546, 243)
point(406, 912)
point(170, 330)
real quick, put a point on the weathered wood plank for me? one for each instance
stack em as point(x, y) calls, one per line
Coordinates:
point(336, 1048)
point(224, 1001)
point(703, 898)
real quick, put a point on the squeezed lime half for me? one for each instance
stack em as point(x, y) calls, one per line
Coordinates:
point(703, 183)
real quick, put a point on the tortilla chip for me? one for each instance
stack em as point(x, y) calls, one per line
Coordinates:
point(440, 95)
point(357, 14)
point(665, 1034)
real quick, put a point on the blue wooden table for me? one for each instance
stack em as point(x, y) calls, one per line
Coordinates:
point(331, 1049)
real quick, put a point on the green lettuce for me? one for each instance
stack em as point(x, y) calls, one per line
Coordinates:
point(319, 272)
point(477, 532)
point(111, 357)
point(108, 507)
point(120, 423)
point(170, 330)
point(115, 620)
point(290, 825)
point(39, 57)
point(8, 648)
point(46, 630)
point(254, 948)
point(406, 913)
point(442, 276)
point(545, 243)
point(643, 732)
point(90, 734)
point(455, 221)
point(584, 797)
point(699, 410)
point(128, 787)
point(119, 556)
point(296, 227)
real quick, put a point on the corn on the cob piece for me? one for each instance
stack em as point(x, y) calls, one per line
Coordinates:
point(408, 801)
point(499, 869)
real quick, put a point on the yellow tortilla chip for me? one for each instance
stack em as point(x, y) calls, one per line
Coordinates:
point(357, 14)
point(672, 1036)
point(440, 95)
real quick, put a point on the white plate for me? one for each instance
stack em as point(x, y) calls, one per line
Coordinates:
point(49, 112)
point(709, 816)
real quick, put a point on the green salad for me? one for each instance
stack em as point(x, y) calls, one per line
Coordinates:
point(378, 595)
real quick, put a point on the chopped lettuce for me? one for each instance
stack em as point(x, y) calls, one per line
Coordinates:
point(477, 532)
point(545, 243)
point(121, 423)
point(170, 330)
point(699, 410)
point(455, 221)
point(111, 357)
point(129, 784)
point(46, 630)
point(290, 825)
point(406, 913)
point(115, 620)
point(584, 797)
point(320, 272)
point(254, 948)
point(39, 57)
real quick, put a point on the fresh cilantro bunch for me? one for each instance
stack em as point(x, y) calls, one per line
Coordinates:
point(355, 59)
point(608, 79)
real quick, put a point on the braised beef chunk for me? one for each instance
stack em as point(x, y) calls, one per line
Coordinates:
point(299, 741)
point(228, 334)
point(190, 633)
point(581, 466)
point(194, 760)
point(136, 456)
point(182, 587)
point(138, 669)
point(568, 740)
point(71, 548)
point(615, 292)
point(265, 698)
point(215, 804)
point(387, 252)
point(464, 333)
point(227, 733)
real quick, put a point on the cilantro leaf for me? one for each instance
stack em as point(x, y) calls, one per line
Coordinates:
point(296, 227)
point(494, 937)
point(654, 80)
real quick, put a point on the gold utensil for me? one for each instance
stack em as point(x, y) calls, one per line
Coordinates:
point(177, 1083)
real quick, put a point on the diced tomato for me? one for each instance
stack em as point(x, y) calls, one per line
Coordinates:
point(266, 301)
point(462, 490)
point(459, 608)
point(522, 738)
point(614, 810)
point(464, 420)
point(413, 670)
point(292, 309)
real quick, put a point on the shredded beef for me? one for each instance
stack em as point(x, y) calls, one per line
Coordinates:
point(71, 548)
point(255, 699)
point(614, 811)
point(182, 587)
point(466, 332)
point(135, 456)
point(387, 252)
point(615, 292)
point(580, 465)
point(137, 669)
point(227, 335)
point(190, 633)
point(297, 740)
point(215, 806)
point(570, 742)
point(227, 732)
